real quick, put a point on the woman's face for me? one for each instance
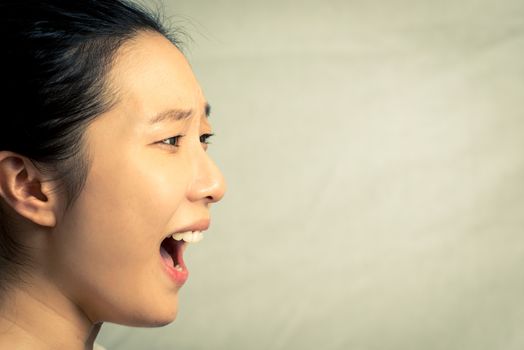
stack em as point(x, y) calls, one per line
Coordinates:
point(143, 185)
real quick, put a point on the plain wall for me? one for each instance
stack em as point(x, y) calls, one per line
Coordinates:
point(374, 157)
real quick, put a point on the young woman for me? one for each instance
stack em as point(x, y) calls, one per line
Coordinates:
point(104, 175)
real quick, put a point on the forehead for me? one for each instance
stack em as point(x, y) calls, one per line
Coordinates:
point(150, 75)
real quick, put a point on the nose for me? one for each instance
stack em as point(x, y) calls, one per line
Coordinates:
point(208, 182)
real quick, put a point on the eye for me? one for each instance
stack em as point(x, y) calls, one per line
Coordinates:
point(172, 141)
point(205, 137)
point(203, 140)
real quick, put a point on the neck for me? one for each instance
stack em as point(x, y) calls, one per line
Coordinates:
point(38, 316)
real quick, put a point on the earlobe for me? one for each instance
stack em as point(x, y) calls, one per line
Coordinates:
point(23, 187)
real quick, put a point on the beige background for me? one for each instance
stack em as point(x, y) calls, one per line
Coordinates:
point(374, 156)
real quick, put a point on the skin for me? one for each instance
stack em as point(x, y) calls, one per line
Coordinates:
point(99, 261)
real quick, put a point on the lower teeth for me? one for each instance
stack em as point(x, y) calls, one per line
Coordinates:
point(178, 268)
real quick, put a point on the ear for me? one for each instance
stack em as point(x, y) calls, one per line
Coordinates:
point(23, 187)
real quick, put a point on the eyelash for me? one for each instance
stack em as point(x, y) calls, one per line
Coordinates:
point(203, 139)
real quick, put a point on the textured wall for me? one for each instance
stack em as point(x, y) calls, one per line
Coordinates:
point(375, 163)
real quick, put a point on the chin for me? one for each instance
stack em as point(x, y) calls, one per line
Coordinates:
point(152, 317)
point(164, 321)
point(150, 321)
point(160, 319)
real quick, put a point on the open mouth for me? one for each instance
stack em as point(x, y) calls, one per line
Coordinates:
point(171, 251)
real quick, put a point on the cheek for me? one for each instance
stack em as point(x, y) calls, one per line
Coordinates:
point(134, 203)
point(158, 190)
point(111, 237)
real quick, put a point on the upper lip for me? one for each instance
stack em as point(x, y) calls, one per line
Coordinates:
point(199, 225)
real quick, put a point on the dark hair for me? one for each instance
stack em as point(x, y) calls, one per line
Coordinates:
point(54, 65)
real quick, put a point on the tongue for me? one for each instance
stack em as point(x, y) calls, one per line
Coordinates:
point(167, 258)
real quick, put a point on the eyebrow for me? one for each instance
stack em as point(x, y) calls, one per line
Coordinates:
point(177, 114)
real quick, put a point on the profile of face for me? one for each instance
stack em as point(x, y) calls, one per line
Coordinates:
point(147, 179)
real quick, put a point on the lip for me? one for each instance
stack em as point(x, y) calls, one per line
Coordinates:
point(200, 225)
point(179, 277)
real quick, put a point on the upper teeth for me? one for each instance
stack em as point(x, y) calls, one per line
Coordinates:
point(189, 236)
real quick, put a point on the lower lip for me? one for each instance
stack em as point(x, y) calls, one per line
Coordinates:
point(179, 277)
